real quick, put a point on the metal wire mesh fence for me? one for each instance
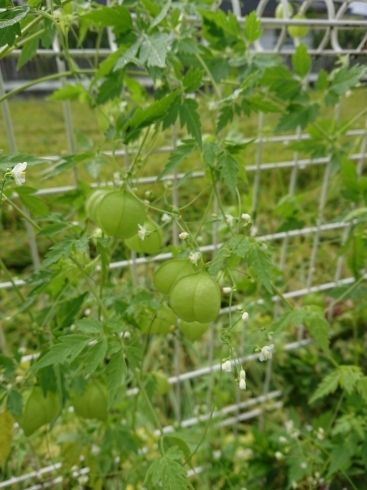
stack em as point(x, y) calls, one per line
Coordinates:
point(333, 33)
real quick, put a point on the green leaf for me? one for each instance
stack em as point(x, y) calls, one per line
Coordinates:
point(7, 365)
point(346, 78)
point(261, 263)
point(219, 260)
point(225, 116)
point(294, 317)
point(53, 229)
point(68, 162)
point(190, 118)
point(252, 27)
point(14, 403)
point(349, 376)
point(89, 325)
point(14, 158)
point(328, 385)
point(111, 87)
point(28, 51)
point(115, 373)
point(210, 153)
point(319, 329)
point(340, 457)
point(260, 103)
point(69, 347)
point(153, 49)
point(167, 472)
point(9, 34)
point(192, 80)
point(68, 92)
point(162, 14)
point(301, 61)
point(298, 115)
point(322, 81)
point(145, 117)
point(12, 16)
point(188, 46)
point(68, 310)
point(117, 17)
point(6, 437)
point(33, 203)
point(59, 250)
point(362, 388)
point(177, 156)
point(95, 356)
point(129, 56)
point(229, 169)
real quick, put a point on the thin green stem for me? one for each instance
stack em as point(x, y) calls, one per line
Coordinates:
point(349, 290)
point(47, 78)
point(149, 403)
point(210, 76)
point(15, 287)
point(337, 408)
point(355, 118)
point(276, 290)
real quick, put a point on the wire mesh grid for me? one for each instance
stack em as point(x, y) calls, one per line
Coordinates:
point(334, 21)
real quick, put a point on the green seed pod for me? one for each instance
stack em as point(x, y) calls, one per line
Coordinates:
point(152, 243)
point(196, 298)
point(119, 213)
point(92, 404)
point(39, 410)
point(170, 272)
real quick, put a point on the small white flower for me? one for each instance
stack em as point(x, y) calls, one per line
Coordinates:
point(266, 353)
point(183, 235)
point(246, 217)
point(242, 374)
point(117, 179)
point(194, 257)
point(230, 219)
point(227, 290)
point(212, 105)
point(18, 173)
point(283, 440)
point(166, 218)
point(83, 479)
point(142, 232)
point(245, 316)
point(294, 485)
point(278, 455)
point(242, 384)
point(227, 366)
point(95, 449)
point(303, 465)
point(217, 454)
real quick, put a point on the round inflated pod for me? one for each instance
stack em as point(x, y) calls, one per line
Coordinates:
point(196, 298)
point(161, 384)
point(280, 11)
point(39, 410)
point(159, 322)
point(119, 213)
point(171, 271)
point(92, 202)
point(298, 31)
point(93, 402)
point(152, 243)
point(193, 330)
